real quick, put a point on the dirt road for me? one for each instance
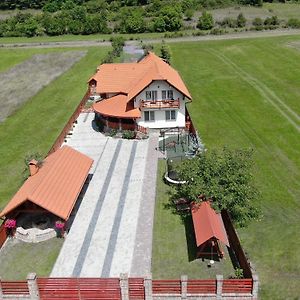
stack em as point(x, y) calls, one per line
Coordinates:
point(239, 35)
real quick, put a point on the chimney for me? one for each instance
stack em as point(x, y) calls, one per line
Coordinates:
point(33, 167)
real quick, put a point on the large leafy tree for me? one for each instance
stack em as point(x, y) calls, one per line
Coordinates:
point(225, 177)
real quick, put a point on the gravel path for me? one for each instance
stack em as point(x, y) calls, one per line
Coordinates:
point(238, 35)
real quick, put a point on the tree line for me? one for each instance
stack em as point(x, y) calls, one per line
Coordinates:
point(58, 17)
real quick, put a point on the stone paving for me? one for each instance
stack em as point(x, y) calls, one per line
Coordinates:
point(112, 229)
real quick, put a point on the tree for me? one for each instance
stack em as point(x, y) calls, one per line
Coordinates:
point(241, 20)
point(225, 177)
point(165, 52)
point(206, 21)
point(134, 23)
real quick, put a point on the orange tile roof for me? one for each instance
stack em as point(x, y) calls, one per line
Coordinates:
point(207, 223)
point(132, 78)
point(56, 185)
point(117, 106)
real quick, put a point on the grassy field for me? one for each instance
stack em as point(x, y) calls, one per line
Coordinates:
point(246, 94)
point(17, 258)
point(35, 126)
point(174, 251)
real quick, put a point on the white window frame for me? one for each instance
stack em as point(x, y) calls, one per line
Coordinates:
point(148, 95)
point(170, 94)
point(150, 116)
point(170, 115)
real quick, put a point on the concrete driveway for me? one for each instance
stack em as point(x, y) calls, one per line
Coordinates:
point(112, 229)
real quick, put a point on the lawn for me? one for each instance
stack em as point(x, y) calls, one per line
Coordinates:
point(174, 242)
point(246, 94)
point(35, 126)
point(17, 258)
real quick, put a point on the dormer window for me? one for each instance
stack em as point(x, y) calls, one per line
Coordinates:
point(170, 94)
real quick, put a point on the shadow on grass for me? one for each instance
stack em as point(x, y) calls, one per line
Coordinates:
point(190, 237)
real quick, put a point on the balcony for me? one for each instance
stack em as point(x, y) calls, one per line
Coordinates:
point(158, 104)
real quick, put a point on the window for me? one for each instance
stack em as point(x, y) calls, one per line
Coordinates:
point(148, 95)
point(154, 95)
point(170, 115)
point(163, 95)
point(170, 94)
point(149, 116)
point(151, 95)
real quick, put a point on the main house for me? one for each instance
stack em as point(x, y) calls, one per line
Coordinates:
point(148, 93)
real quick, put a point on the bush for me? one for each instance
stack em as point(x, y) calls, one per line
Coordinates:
point(241, 20)
point(229, 22)
point(257, 22)
point(165, 52)
point(128, 134)
point(271, 21)
point(293, 23)
point(206, 21)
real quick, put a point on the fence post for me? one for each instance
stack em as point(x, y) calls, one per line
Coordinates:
point(33, 287)
point(1, 291)
point(219, 286)
point(255, 287)
point(184, 279)
point(124, 286)
point(148, 287)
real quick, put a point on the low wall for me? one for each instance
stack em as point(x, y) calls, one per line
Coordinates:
point(236, 245)
point(3, 234)
point(60, 139)
point(125, 288)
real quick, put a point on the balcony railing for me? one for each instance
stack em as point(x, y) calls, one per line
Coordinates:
point(160, 104)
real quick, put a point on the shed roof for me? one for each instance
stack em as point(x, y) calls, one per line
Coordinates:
point(56, 185)
point(207, 223)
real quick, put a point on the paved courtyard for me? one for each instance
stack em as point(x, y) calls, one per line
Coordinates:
point(112, 229)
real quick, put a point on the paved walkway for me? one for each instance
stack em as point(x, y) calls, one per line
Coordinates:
point(113, 225)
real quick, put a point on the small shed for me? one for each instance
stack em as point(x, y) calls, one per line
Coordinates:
point(209, 230)
point(53, 186)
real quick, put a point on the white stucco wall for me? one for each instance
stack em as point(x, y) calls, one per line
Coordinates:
point(160, 117)
point(159, 86)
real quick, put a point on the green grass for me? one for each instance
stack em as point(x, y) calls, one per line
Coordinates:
point(246, 94)
point(17, 258)
point(35, 126)
point(174, 246)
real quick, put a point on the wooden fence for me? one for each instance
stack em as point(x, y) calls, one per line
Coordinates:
point(3, 234)
point(125, 288)
point(60, 139)
point(236, 245)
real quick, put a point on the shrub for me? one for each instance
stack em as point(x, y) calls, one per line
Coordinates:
point(128, 134)
point(257, 22)
point(271, 21)
point(293, 23)
point(206, 21)
point(241, 20)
